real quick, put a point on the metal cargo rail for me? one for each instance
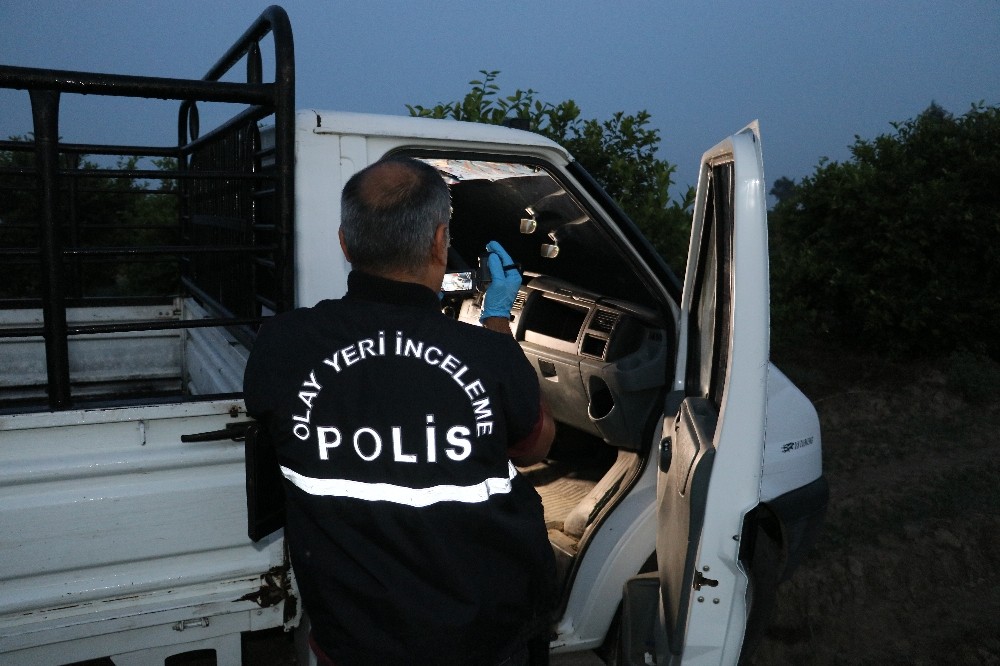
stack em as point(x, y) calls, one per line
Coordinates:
point(228, 244)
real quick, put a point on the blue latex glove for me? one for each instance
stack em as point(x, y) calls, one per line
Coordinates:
point(503, 288)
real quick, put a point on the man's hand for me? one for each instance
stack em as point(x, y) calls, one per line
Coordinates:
point(506, 280)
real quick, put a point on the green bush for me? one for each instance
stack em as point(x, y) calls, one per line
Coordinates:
point(898, 249)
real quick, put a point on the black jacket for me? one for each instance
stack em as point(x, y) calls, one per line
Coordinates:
point(412, 536)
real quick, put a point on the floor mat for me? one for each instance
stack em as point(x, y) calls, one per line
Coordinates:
point(561, 488)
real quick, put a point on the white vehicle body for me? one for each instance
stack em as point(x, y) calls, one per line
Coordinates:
point(682, 446)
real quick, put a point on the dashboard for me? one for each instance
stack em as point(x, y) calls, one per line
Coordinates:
point(603, 364)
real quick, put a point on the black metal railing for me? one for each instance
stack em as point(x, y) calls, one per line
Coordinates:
point(229, 241)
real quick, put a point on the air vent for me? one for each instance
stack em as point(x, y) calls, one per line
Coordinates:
point(519, 300)
point(603, 321)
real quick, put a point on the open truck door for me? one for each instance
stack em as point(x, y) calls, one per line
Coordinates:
point(713, 430)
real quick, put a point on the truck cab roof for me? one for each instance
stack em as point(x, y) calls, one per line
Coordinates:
point(344, 122)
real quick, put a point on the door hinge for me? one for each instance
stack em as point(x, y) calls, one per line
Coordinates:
point(190, 623)
point(274, 589)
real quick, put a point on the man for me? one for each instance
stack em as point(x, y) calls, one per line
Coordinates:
point(413, 537)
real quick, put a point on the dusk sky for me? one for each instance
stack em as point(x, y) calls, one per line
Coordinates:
point(815, 74)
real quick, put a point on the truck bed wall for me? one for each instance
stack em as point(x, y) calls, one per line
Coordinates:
point(190, 362)
point(105, 513)
point(98, 363)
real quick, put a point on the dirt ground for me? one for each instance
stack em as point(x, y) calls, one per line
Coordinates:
point(907, 568)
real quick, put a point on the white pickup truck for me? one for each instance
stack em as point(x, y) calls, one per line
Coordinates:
point(686, 478)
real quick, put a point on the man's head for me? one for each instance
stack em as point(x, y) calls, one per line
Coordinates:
point(392, 216)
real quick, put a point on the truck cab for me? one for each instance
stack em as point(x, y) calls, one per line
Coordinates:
point(661, 389)
point(685, 481)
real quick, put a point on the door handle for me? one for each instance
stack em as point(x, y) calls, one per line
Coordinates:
point(666, 453)
point(547, 368)
point(234, 431)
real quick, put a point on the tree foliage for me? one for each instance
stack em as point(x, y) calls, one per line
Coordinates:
point(620, 153)
point(897, 249)
point(783, 188)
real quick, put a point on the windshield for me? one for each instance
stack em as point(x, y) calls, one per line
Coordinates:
point(541, 225)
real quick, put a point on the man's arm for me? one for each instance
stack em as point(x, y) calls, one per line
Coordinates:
point(536, 445)
point(498, 300)
point(498, 324)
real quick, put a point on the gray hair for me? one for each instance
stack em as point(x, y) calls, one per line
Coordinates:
point(389, 213)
